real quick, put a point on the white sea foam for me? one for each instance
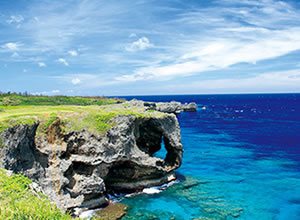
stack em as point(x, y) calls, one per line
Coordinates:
point(87, 214)
point(152, 190)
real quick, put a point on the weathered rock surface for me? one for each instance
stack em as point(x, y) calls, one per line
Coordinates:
point(169, 107)
point(166, 107)
point(176, 107)
point(190, 107)
point(77, 169)
point(113, 211)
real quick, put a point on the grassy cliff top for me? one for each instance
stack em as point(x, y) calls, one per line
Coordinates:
point(95, 118)
point(8, 99)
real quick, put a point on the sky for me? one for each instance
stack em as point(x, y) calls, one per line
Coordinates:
point(149, 47)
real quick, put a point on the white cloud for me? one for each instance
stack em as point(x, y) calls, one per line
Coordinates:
point(165, 72)
point(36, 19)
point(223, 43)
point(11, 46)
point(73, 53)
point(271, 81)
point(55, 24)
point(55, 91)
point(132, 35)
point(52, 92)
point(62, 60)
point(15, 55)
point(75, 81)
point(40, 93)
point(87, 80)
point(141, 44)
point(25, 70)
point(42, 64)
point(15, 19)
point(221, 53)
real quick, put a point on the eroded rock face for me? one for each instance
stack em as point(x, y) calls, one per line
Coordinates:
point(19, 154)
point(77, 169)
point(169, 107)
point(190, 107)
point(176, 107)
point(166, 107)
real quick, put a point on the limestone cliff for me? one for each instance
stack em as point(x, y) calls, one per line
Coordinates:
point(167, 107)
point(76, 169)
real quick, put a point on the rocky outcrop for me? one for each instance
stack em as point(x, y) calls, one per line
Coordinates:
point(190, 107)
point(169, 107)
point(166, 107)
point(77, 169)
point(176, 107)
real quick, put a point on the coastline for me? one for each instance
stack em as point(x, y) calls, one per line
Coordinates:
point(71, 175)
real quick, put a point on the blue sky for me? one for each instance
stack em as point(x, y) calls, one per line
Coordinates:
point(138, 47)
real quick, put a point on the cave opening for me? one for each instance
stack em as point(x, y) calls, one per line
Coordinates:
point(162, 152)
point(151, 140)
point(131, 176)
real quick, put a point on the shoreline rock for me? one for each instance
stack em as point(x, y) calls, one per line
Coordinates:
point(113, 211)
point(176, 107)
point(169, 107)
point(166, 107)
point(190, 107)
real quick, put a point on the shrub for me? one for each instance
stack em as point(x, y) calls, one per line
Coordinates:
point(9, 101)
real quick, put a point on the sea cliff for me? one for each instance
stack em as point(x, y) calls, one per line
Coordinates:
point(77, 155)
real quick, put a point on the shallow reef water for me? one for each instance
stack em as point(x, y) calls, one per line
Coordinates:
point(241, 161)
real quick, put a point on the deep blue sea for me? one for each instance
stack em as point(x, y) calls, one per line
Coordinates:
point(241, 160)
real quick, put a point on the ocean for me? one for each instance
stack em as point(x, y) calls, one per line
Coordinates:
point(241, 160)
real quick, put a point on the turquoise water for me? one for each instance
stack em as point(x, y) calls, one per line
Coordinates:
point(241, 161)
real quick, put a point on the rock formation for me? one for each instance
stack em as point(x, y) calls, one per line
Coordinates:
point(166, 107)
point(169, 107)
point(176, 107)
point(77, 169)
point(190, 107)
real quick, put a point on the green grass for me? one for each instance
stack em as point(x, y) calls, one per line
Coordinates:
point(17, 201)
point(52, 118)
point(15, 99)
point(14, 121)
point(101, 121)
point(1, 141)
point(96, 119)
point(76, 113)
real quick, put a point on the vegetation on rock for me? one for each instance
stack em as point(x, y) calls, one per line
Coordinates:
point(96, 119)
point(13, 99)
point(18, 201)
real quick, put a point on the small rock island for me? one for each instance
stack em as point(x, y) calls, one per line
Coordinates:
point(76, 155)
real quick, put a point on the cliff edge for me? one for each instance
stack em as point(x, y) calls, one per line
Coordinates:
point(77, 164)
